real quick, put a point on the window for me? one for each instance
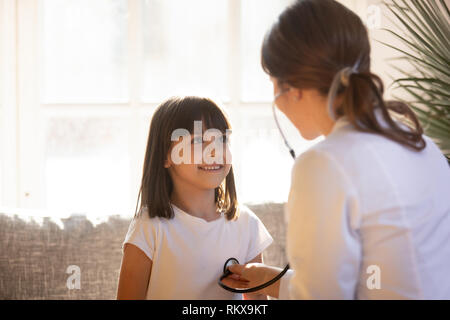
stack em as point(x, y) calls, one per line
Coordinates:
point(87, 162)
point(84, 51)
point(90, 74)
point(185, 49)
point(256, 18)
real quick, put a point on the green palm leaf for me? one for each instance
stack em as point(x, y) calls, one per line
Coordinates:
point(426, 36)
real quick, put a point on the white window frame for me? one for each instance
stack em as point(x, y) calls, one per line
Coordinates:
point(8, 105)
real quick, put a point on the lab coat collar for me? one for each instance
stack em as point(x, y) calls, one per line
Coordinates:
point(344, 122)
point(341, 122)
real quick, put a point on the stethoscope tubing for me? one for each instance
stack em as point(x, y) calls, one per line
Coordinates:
point(257, 288)
point(228, 272)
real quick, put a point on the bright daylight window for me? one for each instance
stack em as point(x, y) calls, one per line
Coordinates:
point(102, 68)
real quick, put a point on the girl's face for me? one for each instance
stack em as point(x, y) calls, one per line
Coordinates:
point(201, 175)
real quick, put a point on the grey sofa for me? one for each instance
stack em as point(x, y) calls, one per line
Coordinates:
point(34, 257)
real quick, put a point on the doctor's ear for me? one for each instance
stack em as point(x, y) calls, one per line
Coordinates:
point(296, 93)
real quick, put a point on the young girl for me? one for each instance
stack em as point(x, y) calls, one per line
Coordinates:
point(189, 222)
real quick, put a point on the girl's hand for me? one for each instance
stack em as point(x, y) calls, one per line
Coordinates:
point(251, 275)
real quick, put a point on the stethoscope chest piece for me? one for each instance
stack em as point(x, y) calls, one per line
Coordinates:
point(228, 263)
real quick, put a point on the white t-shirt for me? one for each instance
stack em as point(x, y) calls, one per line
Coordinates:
point(368, 219)
point(188, 253)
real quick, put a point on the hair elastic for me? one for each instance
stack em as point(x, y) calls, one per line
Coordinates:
point(342, 77)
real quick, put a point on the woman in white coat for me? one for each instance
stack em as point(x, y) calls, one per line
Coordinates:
point(368, 214)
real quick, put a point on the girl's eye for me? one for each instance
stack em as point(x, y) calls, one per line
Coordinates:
point(222, 139)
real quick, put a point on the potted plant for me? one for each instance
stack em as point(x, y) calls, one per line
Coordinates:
point(426, 35)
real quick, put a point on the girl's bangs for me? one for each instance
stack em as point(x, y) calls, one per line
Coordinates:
point(200, 109)
point(213, 118)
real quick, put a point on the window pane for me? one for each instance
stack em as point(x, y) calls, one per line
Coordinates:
point(87, 165)
point(256, 19)
point(261, 161)
point(84, 51)
point(185, 49)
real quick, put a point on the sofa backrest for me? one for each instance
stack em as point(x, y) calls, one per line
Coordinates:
point(35, 258)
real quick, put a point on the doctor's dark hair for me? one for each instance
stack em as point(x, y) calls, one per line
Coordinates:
point(314, 41)
point(156, 184)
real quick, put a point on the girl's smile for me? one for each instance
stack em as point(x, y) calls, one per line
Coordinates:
point(211, 168)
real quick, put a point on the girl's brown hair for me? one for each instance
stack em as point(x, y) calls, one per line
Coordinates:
point(316, 42)
point(156, 185)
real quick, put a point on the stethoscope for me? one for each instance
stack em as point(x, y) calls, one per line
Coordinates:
point(232, 261)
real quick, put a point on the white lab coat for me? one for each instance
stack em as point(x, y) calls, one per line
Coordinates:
point(368, 218)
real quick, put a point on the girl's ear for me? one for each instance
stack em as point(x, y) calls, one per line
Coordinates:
point(167, 163)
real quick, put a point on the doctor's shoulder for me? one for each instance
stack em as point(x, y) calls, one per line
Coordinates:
point(314, 159)
point(346, 150)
